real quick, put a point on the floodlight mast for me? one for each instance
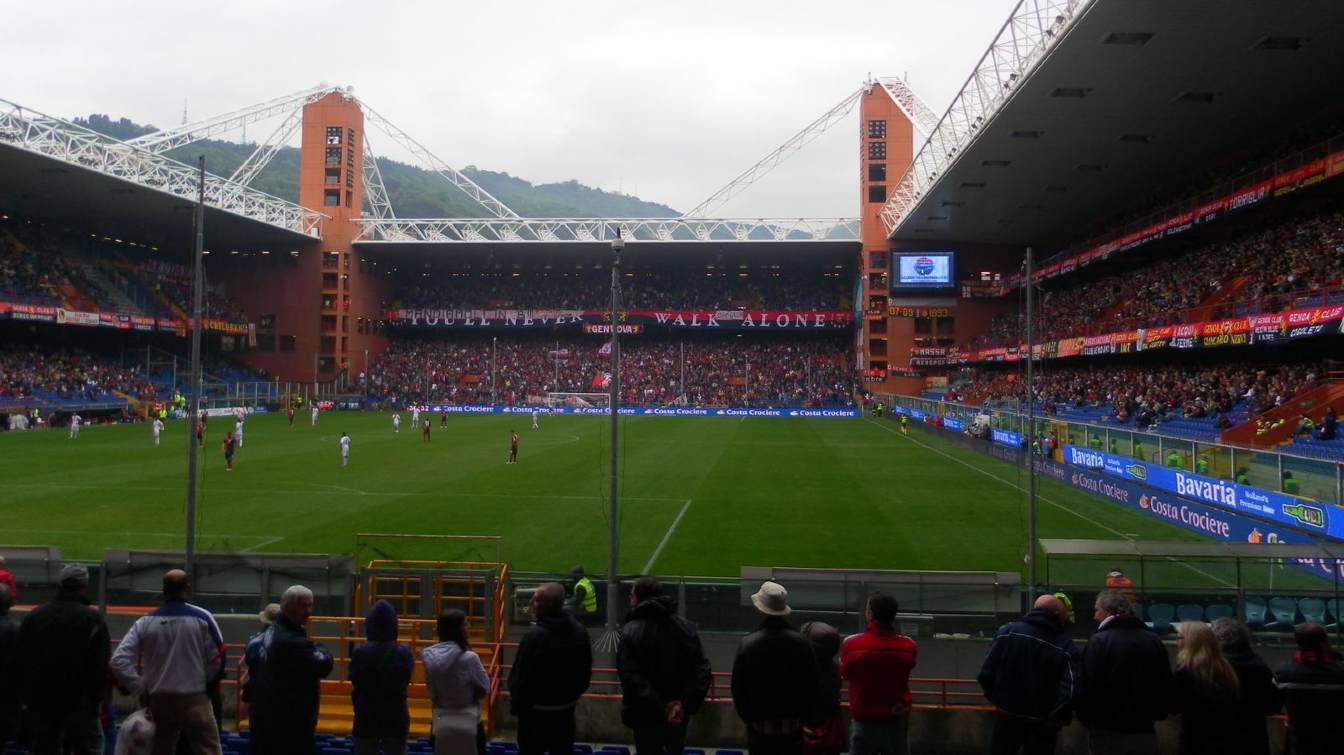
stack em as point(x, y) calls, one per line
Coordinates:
point(614, 611)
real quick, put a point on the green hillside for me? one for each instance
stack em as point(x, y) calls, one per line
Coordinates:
point(415, 192)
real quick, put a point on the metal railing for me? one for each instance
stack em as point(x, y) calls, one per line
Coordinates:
point(1317, 479)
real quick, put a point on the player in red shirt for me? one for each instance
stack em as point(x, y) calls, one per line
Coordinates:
point(290, 413)
point(513, 446)
point(424, 429)
point(228, 451)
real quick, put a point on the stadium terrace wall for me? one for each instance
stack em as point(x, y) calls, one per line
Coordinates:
point(74, 318)
point(1193, 516)
point(1282, 327)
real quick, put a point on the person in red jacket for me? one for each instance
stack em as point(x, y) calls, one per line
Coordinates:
point(7, 579)
point(877, 665)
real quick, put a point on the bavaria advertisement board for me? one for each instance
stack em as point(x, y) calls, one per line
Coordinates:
point(1290, 511)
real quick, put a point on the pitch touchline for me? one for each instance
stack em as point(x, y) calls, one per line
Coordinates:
point(1061, 507)
point(648, 568)
point(265, 538)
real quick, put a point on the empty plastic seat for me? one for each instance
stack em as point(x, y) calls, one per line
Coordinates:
point(1216, 611)
point(1312, 609)
point(1256, 613)
point(582, 748)
point(1160, 616)
point(1190, 612)
point(1284, 611)
point(615, 750)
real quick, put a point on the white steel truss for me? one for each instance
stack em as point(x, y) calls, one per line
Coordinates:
point(208, 128)
point(768, 163)
point(61, 140)
point(921, 115)
point(1033, 28)
point(261, 156)
point(455, 177)
point(594, 230)
point(376, 202)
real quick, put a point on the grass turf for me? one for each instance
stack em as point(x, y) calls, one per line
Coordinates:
point(700, 496)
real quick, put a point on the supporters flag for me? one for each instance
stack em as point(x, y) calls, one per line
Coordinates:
point(602, 380)
point(605, 349)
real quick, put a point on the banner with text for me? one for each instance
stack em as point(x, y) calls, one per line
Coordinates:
point(731, 319)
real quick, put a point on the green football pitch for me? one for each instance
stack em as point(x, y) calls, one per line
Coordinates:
point(699, 496)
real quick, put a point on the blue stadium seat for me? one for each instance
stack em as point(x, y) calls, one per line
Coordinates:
point(1189, 612)
point(1256, 613)
point(614, 750)
point(581, 748)
point(1284, 611)
point(1312, 609)
point(1216, 611)
point(1160, 616)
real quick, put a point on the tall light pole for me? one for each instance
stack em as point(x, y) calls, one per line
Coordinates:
point(609, 638)
point(1031, 429)
point(194, 407)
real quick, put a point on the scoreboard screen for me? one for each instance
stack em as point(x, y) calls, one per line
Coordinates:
point(922, 270)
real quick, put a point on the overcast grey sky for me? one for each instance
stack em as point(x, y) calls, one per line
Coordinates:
point(666, 100)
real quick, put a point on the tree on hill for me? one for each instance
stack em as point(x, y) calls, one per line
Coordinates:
point(413, 191)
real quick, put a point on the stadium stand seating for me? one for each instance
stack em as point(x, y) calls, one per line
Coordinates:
point(45, 266)
point(1287, 265)
point(789, 372)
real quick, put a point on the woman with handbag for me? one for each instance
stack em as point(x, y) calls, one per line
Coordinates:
point(456, 681)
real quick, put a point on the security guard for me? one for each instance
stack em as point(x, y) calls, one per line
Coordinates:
point(905, 424)
point(583, 601)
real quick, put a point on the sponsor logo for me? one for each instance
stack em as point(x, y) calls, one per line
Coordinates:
point(1084, 458)
point(1308, 515)
point(1206, 490)
point(1137, 471)
point(923, 266)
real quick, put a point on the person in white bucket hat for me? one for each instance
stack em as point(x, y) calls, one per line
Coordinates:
point(775, 677)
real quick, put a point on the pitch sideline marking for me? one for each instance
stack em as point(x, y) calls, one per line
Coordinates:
point(1041, 497)
point(653, 559)
point(264, 538)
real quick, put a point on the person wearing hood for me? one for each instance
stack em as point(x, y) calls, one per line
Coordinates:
point(551, 671)
point(663, 669)
point(456, 682)
point(379, 672)
point(824, 726)
point(63, 650)
point(1031, 675)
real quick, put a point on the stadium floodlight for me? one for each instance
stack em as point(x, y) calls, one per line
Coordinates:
point(611, 636)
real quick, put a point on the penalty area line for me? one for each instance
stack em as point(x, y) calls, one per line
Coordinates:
point(653, 559)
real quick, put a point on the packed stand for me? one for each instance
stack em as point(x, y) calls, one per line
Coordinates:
point(1149, 396)
point(45, 267)
point(1285, 264)
point(67, 374)
point(640, 289)
point(808, 372)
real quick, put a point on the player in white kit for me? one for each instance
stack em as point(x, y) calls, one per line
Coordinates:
point(345, 449)
point(415, 415)
point(396, 422)
point(238, 431)
point(158, 429)
point(75, 419)
point(534, 420)
point(314, 415)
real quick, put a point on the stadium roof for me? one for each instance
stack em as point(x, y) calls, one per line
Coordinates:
point(1135, 94)
point(39, 187)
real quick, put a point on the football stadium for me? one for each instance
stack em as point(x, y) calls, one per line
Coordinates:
point(304, 448)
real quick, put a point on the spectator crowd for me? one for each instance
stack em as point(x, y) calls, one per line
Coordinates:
point(68, 373)
point(1277, 268)
point(41, 266)
point(812, 289)
point(58, 669)
point(1150, 395)
point(736, 372)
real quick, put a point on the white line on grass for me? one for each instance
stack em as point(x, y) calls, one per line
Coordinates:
point(666, 537)
point(134, 534)
point(262, 544)
point(1009, 483)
